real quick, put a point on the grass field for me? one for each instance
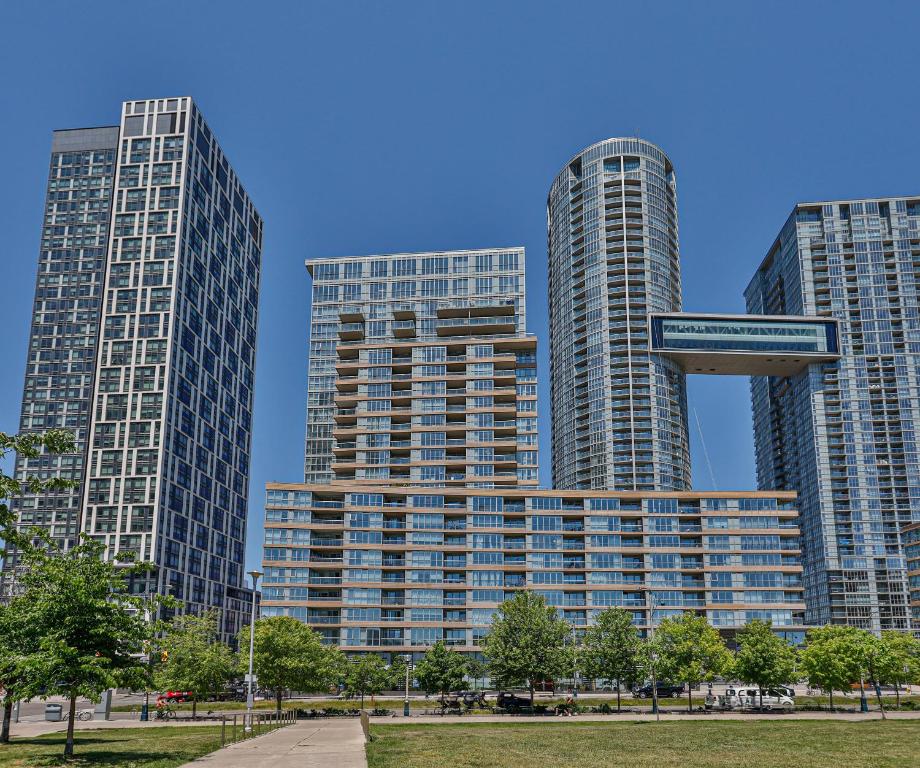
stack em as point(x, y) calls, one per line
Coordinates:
point(124, 747)
point(726, 744)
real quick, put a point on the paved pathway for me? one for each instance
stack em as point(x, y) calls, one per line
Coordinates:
point(333, 743)
point(28, 729)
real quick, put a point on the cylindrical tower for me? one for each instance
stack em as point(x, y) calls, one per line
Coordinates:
point(619, 415)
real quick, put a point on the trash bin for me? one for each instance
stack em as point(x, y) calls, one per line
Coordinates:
point(53, 712)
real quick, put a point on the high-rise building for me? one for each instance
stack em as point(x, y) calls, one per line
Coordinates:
point(167, 326)
point(843, 434)
point(368, 313)
point(394, 570)
point(619, 413)
point(65, 325)
point(910, 538)
point(457, 410)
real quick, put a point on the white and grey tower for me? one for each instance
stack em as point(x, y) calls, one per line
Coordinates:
point(619, 413)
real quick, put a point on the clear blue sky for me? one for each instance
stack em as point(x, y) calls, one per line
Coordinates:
point(400, 126)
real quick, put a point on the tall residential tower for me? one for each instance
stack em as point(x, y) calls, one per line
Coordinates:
point(165, 324)
point(844, 434)
point(619, 413)
point(421, 359)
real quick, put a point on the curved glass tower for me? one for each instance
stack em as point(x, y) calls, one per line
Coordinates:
point(619, 414)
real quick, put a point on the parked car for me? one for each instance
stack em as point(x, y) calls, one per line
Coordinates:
point(175, 697)
point(751, 698)
point(665, 690)
point(511, 702)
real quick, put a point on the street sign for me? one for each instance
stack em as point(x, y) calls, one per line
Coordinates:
point(250, 678)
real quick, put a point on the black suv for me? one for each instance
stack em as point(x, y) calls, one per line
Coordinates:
point(665, 690)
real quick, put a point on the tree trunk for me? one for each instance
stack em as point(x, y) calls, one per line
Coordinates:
point(760, 694)
point(689, 697)
point(830, 698)
point(618, 697)
point(878, 695)
point(897, 695)
point(362, 699)
point(530, 684)
point(278, 693)
point(7, 719)
point(68, 745)
point(194, 707)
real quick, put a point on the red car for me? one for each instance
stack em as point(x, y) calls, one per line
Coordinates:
point(174, 697)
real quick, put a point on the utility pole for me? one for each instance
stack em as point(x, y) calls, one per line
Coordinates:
point(250, 697)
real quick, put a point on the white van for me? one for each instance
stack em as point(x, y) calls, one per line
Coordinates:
point(744, 697)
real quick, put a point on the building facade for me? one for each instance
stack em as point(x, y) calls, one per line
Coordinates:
point(396, 299)
point(457, 410)
point(176, 284)
point(843, 434)
point(619, 414)
point(394, 570)
point(63, 339)
point(910, 537)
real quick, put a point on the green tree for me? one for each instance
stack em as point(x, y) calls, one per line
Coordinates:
point(366, 675)
point(763, 658)
point(29, 446)
point(610, 649)
point(526, 642)
point(689, 650)
point(193, 657)
point(441, 669)
point(898, 661)
point(16, 641)
point(476, 670)
point(288, 655)
point(88, 630)
point(831, 659)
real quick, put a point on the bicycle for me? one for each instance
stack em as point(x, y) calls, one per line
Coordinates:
point(165, 713)
point(81, 714)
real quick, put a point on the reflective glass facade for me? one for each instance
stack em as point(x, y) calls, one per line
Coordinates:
point(619, 414)
point(393, 298)
point(396, 570)
point(844, 434)
point(57, 393)
point(740, 335)
point(174, 280)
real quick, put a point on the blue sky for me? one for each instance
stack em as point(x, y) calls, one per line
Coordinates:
point(401, 126)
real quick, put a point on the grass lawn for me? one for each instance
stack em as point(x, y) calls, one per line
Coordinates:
point(705, 744)
point(123, 747)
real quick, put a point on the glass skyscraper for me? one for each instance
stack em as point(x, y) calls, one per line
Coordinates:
point(844, 434)
point(143, 343)
point(408, 299)
point(619, 413)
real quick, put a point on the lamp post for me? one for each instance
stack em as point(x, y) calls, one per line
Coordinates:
point(574, 662)
point(653, 656)
point(407, 657)
point(250, 697)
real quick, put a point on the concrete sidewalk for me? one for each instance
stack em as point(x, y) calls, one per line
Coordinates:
point(334, 743)
point(24, 730)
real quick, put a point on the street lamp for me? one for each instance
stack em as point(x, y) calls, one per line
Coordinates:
point(653, 656)
point(407, 657)
point(250, 697)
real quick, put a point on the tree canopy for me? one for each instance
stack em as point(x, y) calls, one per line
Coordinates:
point(689, 649)
point(831, 659)
point(526, 642)
point(611, 647)
point(763, 658)
point(193, 659)
point(441, 669)
point(88, 632)
point(289, 655)
point(366, 675)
